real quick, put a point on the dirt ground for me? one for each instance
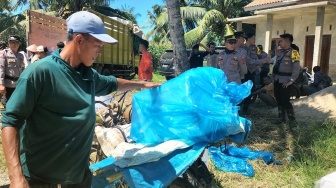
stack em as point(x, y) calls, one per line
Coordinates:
point(319, 106)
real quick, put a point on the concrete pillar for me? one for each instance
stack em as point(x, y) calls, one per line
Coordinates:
point(239, 26)
point(268, 36)
point(318, 35)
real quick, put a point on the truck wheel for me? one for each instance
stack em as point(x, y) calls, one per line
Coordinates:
point(106, 71)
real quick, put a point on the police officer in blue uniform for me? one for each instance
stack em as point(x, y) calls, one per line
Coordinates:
point(231, 61)
point(285, 72)
point(11, 67)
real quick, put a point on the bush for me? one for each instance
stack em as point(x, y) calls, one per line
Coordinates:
point(157, 50)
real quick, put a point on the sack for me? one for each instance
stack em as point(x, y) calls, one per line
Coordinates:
point(325, 82)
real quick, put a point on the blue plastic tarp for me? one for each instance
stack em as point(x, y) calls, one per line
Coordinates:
point(229, 158)
point(198, 107)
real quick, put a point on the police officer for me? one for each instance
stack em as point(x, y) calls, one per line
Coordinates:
point(230, 61)
point(285, 72)
point(252, 63)
point(11, 66)
point(212, 57)
point(239, 47)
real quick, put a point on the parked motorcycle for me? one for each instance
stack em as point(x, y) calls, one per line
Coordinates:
point(304, 78)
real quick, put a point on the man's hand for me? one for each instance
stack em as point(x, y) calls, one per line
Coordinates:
point(150, 84)
point(266, 60)
point(19, 182)
point(2, 90)
point(285, 85)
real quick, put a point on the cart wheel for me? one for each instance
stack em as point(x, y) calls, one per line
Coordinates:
point(128, 114)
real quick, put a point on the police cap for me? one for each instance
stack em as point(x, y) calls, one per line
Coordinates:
point(13, 38)
point(249, 35)
point(239, 34)
point(287, 36)
point(229, 37)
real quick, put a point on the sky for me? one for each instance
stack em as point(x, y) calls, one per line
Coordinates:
point(140, 6)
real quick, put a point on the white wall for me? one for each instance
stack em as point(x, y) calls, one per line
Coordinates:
point(298, 27)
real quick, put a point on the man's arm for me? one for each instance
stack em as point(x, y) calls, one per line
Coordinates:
point(125, 85)
point(316, 80)
point(205, 47)
point(10, 145)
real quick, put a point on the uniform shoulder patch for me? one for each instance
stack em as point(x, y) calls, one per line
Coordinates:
point(295, 56)
point(258, 51)
point(2, 53)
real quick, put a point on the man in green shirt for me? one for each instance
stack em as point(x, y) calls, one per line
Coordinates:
point(52, 114)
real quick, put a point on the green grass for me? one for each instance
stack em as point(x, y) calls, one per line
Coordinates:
point(307, 152)
point(157, 78)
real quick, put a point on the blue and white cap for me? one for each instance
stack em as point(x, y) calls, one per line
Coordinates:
point(87, 22)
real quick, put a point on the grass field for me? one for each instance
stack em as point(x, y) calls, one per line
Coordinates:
point(306, 151)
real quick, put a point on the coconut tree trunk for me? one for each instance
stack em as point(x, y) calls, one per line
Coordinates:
point(177, 37)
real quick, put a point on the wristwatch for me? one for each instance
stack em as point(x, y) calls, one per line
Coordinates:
point(292, 79)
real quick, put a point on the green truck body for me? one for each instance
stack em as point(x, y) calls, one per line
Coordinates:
point(120, 60)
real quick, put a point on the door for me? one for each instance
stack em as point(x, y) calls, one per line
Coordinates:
point(325, 53)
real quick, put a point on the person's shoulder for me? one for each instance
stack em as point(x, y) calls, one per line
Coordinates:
point(2, 53)
point(146, 54)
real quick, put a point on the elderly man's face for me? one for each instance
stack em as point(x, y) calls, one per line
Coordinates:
point(89, 49)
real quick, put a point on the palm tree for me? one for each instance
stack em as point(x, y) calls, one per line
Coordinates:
point(204, 20)
point(158, 34)
point(130, 11)
point(176, 33)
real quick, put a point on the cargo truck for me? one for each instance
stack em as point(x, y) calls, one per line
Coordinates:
point(120, 60)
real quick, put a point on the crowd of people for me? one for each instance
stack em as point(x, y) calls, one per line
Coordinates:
point(243, 60)
point(48, 121)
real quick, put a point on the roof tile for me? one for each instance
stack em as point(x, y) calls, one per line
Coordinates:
point(262, 2)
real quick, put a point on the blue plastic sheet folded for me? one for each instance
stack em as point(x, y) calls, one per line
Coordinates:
point(197, 106)
point(232, 159)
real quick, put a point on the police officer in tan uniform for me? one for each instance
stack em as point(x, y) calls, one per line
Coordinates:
point(230, 61)
point(11, 67)
point(252, 63)
point(285, 72)
point(239, 47)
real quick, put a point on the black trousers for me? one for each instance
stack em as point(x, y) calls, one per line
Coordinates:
point(5, 98)
point(247, 100)
point(86, 183)
point(282, 95)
